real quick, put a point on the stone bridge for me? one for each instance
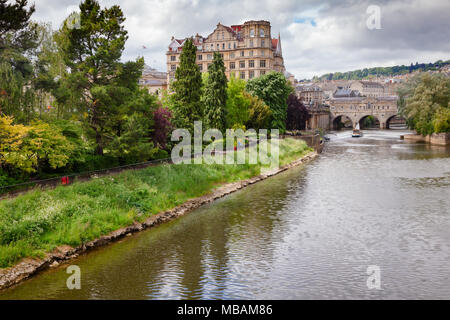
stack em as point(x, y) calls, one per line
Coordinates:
point(357, 108)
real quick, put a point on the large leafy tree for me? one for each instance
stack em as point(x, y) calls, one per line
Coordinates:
point(259, 114)
point(273, 89)
point(215, 95)
point(427, 107)
point(187, 86)
point(297, 114)
point(106, 85)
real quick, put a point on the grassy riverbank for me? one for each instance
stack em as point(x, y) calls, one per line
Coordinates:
point(39, 221)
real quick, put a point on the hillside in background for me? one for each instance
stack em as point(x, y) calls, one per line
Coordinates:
point(367, 73)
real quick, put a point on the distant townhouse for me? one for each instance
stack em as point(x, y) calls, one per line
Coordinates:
point(153, 80)
point(368, 88)
point(310, 94)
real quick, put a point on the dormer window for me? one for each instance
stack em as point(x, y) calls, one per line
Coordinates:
point(252, 33)
point(261, 32)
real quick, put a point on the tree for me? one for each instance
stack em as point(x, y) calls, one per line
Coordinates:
point(28, 148)
point(215, 95)
point(237, 104)
point(273, 89)
point(17, 35)
point(188, 89)
point(162, 117)
point(105, 84)
point(297, 114)
point(259, 114)
point(426, 109)
point(18, 39)
point(442, 120)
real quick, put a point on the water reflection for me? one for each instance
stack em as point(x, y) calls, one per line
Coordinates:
point(309, 233)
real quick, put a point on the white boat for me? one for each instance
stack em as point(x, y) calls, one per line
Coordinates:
point(357, 133)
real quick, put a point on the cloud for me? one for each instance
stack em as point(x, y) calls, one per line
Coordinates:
point(317, 37)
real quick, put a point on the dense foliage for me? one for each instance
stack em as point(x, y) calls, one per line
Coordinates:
point(215, 95)
point(425, 102)
point(273, 89)
point(297, 114)
point(188, 89)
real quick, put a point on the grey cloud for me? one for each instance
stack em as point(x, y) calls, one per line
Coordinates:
point(412, 30)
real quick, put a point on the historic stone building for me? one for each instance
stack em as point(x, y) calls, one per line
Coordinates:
point(248, 50)
point(153, 80)
point(368, 88)
point(310, 94)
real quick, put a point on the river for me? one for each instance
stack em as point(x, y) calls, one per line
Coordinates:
point(309, 233)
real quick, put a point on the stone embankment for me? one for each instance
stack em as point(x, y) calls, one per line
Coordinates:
point(439, 139)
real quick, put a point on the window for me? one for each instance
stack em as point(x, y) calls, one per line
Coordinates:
point(232, 65)
point(209, 56)
point(223, 46)
point(263, 53)
point(242, 74)
point(251, 63)
point(234, 45)
point(200, 57)
point(209, 65)
point(242, 53)
point(200, 66)
point(251, 53)
point(252, 33)
point(232, 55)
point(263, 72)
point(251, 75)
point(218, 46)
point(173, 58)
point(223, 35)
point(229, 45)
point(263, 43)
point(242, 64)
point(173, 67)
point(251, 43)
point(261, 32)
point(262, 63)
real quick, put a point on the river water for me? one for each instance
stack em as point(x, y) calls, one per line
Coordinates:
point(309, 233)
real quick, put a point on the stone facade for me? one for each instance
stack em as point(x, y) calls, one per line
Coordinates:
point(248, 50)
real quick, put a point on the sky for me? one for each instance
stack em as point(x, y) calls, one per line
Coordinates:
point(317, 37)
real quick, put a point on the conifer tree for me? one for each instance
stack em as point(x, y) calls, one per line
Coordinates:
point(188, 89)
point(215, 97)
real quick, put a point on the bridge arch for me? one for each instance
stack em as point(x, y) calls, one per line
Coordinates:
point(369, 121)
point(396, 122)
point(341, 121)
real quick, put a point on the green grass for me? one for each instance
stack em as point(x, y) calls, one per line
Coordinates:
point(39, 221)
